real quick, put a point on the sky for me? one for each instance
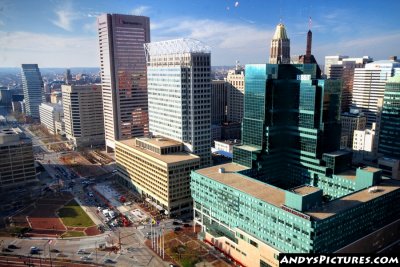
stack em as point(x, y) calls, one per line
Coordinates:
point(62, 33)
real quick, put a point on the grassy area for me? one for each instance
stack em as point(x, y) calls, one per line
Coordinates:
point(73, 234)
point(73, 215)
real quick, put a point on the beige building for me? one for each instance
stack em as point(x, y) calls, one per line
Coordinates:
point(235, 80)
point(83, 114)
point(55, 97)
point(17, 166)
point(159, 169)
point(351, 121)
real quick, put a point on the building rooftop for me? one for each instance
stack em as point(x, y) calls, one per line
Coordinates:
point(160, 142)
point(249, 148)
point(348, 174)
point(280, 32)
point(230, 177)
point(349, 201)
point(167, 158)
point(305, 190)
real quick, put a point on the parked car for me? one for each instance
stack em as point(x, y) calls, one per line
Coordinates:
point(81, 251)
point(176, 229)
point(12, 246)
point(109, 261)
point(176, 223)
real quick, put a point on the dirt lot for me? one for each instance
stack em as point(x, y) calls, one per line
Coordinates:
point(81, 165)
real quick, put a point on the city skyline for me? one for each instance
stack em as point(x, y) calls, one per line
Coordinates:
point(63, 34)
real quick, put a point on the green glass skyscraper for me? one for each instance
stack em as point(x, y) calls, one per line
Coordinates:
point(289, 188)
point(389, 135)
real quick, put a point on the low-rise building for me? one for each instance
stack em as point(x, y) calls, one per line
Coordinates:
point(17, 166)
point(49, 114)
point(159, 169)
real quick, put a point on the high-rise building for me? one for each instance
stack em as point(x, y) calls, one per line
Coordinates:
point(50, 114)
point(55, 97)
point(280, 46)
point(123, 75)
point(218, 101)
point(289, 189)
point(68, 77)
point(33, 89)
point(179, 89)
point(343, 69)
point(235, 101)
point(369, 86)
point(389, 132)
point(17, 164)
point(351, 121)
point(83, 115)
point(159, 170)
point(363, 140)
point(329, 61)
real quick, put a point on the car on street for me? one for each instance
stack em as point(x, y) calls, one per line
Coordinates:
point(12, 246)
point(81, 251)
point(53, 250)
point(109, 261)
point(86, 258)
point(176, 229)
point(176, 223)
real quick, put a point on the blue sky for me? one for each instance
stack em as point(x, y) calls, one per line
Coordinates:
point(56, 33)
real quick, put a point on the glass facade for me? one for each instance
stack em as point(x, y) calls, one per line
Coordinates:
point(389, 136)
point(289, 186)
point(293, 117)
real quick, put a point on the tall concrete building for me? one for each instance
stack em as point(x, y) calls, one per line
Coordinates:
point(179, 89)
point(343, 69)
point(369, 86)
point(33, 89)
point(235, 80)
point(83, 115)
point(288, 189)
point(389, 132)
point(123, 75)
point(159, 169)
point(218, 101)
point(50, 114)
point(17, 164)
point(280, 46)
point(351, 121)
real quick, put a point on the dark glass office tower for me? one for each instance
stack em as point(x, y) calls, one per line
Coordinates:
point(291, 118)
point(389, 136)
point(32, 84)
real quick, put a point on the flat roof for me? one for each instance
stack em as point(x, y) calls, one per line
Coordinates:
point(348, 174)
point(249, 148)
point(305, 190)
point(160, 142)
point(349, 201)
point(371, 169)
point(230, 177)
point(167, 158)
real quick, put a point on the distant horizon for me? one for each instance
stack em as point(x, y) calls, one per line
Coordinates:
point(67, 34)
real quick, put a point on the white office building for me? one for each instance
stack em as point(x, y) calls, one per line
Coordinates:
point(179, 89)
point(235, 81)
point(369, 86)
point(50, 114)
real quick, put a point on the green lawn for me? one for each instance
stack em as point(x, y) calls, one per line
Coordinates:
point(73, 215)
point(73, 234)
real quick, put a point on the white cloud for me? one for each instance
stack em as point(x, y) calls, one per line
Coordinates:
point(47, 50)
point(65, 17)
point(90, 27)
point(228, 41)
point(140, 10)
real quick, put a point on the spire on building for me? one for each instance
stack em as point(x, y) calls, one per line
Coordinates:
point(309, 42)
point(280, 46)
